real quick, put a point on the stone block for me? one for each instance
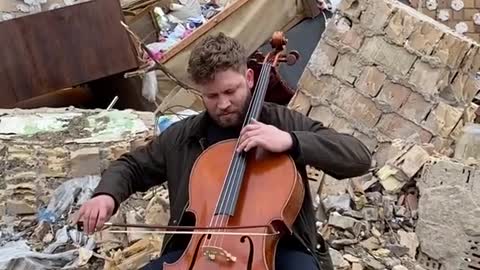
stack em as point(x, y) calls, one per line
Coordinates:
point(360, 109)
point(322, 114)
point(415, 108)
point(300, 103)
point(443, 119)
point(342, 222)
point(324, 88)
point(342, 125)
point(375, 17)
point(412, 161)
point(428, 80)
point(424, 38)
point(396, 127)
point(347, 68)
point(335, 30)
point(370, 81)
point(352, 8)
point(392, 96)
point(85, 161)
point(471, 62)
point(400, 27)
point(463, 89)
point(353, 38)
point(21, 157)
point(451, 50)
point(395, 60)
point(448, 210)
point(15, 207)
point(53, 162)
point(442, 145)
point(323, 59)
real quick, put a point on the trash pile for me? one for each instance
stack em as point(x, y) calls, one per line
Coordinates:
point(369, 221)
point(179, 21)
point(48, 239)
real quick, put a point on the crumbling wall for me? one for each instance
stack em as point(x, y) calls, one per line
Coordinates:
point(449, 215)
point(384, 71)
point(32, 165)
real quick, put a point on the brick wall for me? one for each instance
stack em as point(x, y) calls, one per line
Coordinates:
point(457, 14)
point(383, 71)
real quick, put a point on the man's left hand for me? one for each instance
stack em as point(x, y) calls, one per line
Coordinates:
point(266, 136)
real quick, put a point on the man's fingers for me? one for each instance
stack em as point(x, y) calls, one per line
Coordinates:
point(249, 127)
point(102, 217)
point(92, 220)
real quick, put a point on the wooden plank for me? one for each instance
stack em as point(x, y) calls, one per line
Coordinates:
point(62, 48)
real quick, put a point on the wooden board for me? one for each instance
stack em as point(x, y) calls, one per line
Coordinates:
point(62, 48)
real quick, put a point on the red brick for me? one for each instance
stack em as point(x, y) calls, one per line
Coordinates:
point(458, 15)
point(396, 127)
point(392, 96)
point(359, 108)
point(468, 13)
point(443, 4)
point(415, 108)
point(370, 81)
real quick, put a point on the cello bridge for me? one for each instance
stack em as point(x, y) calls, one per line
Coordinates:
point(212, 253)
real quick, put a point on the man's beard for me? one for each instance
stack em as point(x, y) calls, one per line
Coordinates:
point(240, 116)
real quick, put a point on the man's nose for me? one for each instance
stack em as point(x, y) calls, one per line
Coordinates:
point(224, 103)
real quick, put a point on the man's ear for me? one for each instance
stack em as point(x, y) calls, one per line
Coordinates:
point(250, 78)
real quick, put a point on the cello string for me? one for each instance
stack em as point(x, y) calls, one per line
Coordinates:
point(237, 163)
point(254, 109)
point(234, 172)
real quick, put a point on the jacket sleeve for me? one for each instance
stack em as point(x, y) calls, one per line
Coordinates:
point(337, 154)
point(134, 171)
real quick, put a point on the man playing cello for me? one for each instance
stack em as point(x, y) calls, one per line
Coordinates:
point(218, 67)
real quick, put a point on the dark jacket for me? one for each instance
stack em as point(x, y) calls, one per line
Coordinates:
point(171, 155)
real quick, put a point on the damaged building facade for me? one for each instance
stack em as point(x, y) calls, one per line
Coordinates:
point(403, 84)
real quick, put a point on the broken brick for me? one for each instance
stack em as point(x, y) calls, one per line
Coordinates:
point(415, 108)
point(443, 119)
point(370, 81)
point(392, 96)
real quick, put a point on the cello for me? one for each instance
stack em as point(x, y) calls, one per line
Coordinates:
point(246, 201)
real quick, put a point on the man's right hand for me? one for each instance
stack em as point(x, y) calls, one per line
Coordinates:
point(95, 212)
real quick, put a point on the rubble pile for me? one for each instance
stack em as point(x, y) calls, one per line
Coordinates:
point(11, 9)
point(51, 161)
point(403, 84)
point(369, 221)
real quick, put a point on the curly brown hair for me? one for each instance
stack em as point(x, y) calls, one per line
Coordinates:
point(216, 53)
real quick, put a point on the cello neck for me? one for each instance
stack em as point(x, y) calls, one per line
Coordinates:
point(258, 96)
point(234, 179)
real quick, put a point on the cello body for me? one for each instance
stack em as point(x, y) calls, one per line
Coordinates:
point(272, 193)
point(247, 200)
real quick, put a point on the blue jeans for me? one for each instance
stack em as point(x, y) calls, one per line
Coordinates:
point(286, 259)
